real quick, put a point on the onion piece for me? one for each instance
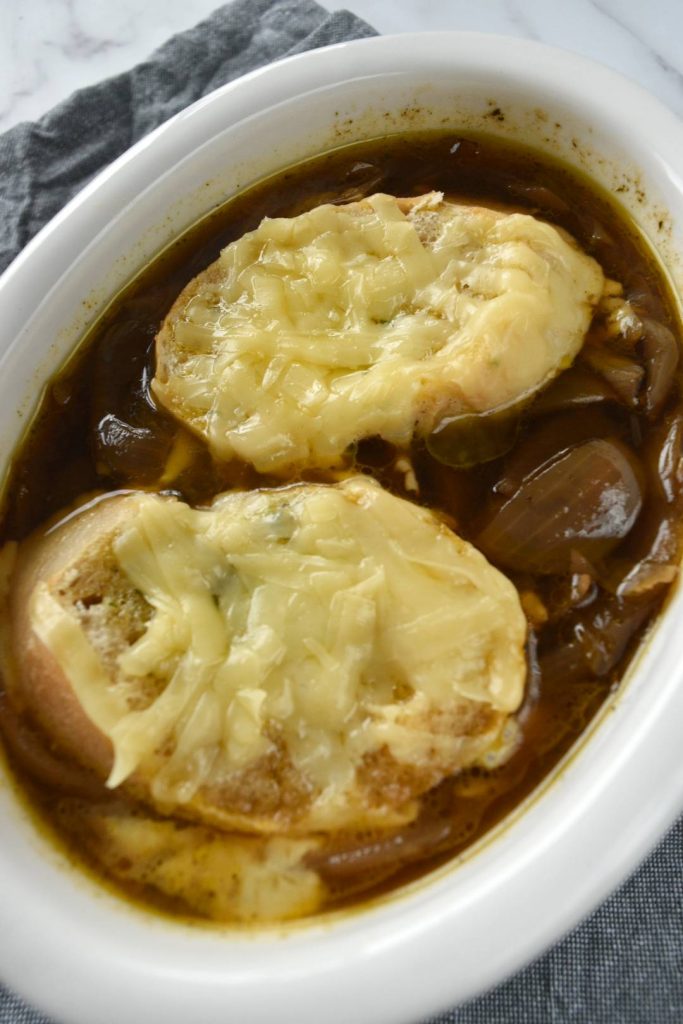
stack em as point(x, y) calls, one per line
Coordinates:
point(643, 298)
point(650, 563)
point(384, 854)
point(645, 577)
point(560, 432)
point(472, 438)
point(132, 438)
point(574, 388)
point(661, 355)
point(132, 453)
point(623, 375)
point(540, 197)
point(667, 448)
point(585, 500)
point(597, 640)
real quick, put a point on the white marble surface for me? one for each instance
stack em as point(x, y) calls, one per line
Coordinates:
point(48, 48)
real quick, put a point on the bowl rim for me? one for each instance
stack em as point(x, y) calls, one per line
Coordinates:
point(396, 953)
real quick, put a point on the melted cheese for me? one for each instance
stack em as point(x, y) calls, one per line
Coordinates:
point(349, 322)
point(337, 622)
point(224, 877)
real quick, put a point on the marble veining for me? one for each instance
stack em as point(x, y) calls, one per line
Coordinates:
point(48, 48)
point(642, 41)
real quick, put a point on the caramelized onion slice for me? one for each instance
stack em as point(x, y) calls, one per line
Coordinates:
point(560, 433)
point(576, 387)
point(539, 197)
point(646, 577)
point(644, 300)
point(596, 641)
point(586, 500)
point(384, 855)
point(129, 452)
point(660, 351)
point(471, 438)
point(650, 560)
point(666, 452)
point(623, 375)
point(131, 438)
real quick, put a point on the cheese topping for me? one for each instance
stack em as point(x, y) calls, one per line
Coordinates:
point(332, 622)
point(348, 322)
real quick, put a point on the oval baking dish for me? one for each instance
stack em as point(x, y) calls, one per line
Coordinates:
point(576, 836)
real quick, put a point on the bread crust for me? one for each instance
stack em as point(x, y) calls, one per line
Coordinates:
point(37, 683)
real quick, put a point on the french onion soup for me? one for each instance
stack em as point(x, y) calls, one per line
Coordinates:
point(339, 527)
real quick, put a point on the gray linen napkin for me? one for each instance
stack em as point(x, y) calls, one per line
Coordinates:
point(625, 964)
point(44, 164)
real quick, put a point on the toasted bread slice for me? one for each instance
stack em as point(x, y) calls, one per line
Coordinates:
point(302, 659)
point(227, 877)
point(378, 318)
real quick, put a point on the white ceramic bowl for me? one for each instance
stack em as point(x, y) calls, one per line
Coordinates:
point(73, 949)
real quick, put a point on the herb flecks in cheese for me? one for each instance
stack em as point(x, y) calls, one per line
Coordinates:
point(339, 627)
point(375, 318)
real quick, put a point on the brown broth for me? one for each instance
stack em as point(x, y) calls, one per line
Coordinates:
point(98, 429)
